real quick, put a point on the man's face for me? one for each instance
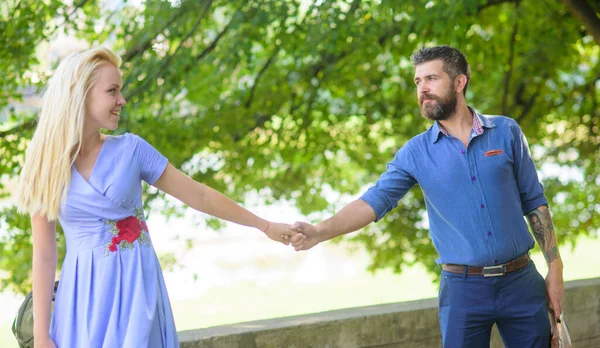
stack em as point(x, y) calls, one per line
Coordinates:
point(436, 93)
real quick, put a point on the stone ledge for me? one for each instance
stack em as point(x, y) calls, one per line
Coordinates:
point(406, 324)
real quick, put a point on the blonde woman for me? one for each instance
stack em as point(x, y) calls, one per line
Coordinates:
point(111, 293)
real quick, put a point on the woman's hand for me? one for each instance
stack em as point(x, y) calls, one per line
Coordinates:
point(280, 232)
point(43, 342)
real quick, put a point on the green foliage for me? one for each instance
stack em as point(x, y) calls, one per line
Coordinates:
point(16, 251)
point(293, 97)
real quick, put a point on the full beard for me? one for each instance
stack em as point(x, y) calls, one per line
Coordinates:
point(442, 108)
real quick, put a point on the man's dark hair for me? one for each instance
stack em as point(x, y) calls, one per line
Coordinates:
point(455, 63)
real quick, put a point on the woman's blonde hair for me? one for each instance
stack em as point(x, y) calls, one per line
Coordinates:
point(57, 139)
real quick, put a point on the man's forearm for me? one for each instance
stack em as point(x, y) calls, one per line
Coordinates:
point(543, 230)
point(352, 217)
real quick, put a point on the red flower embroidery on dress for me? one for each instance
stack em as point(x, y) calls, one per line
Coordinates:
point(126, 231)
point(129, 229)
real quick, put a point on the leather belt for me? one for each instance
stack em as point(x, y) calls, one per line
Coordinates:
point(490, 271)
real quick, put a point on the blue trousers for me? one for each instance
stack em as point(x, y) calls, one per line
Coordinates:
point(515, 302)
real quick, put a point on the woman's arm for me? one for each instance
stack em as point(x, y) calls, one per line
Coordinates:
point(212, 202)
point(44, 273)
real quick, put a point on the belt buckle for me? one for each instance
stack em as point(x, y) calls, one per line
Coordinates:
point(494, 271)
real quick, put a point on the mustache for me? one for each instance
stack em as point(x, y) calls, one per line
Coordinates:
point(428, 96)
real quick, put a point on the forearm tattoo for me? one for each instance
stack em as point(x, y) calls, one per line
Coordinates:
point(543, 230)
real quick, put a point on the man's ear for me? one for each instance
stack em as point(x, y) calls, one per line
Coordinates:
point(459, 83)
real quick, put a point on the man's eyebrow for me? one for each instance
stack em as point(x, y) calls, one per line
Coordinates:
point(426, 76)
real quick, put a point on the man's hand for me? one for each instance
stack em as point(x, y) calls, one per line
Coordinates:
point(307, 236)
point(352, 217)
point(555, 288)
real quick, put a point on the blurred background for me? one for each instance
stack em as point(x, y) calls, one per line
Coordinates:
point(293, 108)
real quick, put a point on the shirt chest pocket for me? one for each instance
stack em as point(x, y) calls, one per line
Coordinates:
point(494, 165)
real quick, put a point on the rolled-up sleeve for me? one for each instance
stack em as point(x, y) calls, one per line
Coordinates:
point(530, 187)
point(393, 184)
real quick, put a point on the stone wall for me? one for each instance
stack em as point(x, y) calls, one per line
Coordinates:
point(406, 324)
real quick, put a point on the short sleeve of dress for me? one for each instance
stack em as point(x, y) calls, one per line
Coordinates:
point(151, 163)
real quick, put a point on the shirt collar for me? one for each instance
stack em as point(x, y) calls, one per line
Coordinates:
point(479, 122)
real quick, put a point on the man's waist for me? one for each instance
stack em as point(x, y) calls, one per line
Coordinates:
point(490, 271)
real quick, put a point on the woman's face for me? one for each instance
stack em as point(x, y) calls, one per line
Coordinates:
point(104, 100)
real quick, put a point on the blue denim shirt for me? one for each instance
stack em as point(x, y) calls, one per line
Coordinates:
point(476, 196)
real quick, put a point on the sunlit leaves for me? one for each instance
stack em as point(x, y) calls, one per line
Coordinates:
point(298, 98)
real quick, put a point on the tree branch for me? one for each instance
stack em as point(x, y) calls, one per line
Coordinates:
point(213, 44)
point(168, 60)
point(163, 97)
point(25, 126)
point(325, 61)
point(258, 77)
point(491, 3)
point(594, 109)
point(14, 12)
point(511, 55)
point(354, 6)
point(141, 48)
point(527, 105)
point(586, 16)
point(67, 20)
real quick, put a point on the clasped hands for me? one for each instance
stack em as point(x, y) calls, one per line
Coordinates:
point(301, 235)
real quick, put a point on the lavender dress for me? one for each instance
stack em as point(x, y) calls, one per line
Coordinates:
point(111, 291)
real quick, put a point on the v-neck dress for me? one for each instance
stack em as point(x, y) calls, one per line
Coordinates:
point(111, 291)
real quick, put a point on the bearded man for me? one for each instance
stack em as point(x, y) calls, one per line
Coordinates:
point(478, 180)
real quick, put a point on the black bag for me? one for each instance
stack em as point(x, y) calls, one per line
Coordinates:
point(22, 327)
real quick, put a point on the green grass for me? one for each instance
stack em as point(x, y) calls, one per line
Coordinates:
point(249, 301)
point(246, 301)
